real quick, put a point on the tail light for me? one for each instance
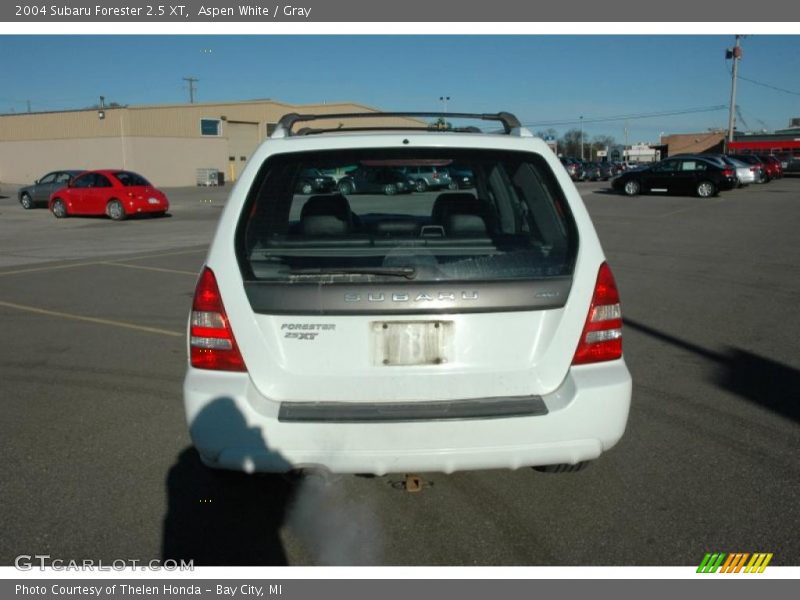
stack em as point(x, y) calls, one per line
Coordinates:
point(211, 341)
point(728, 173)
point(601, 338)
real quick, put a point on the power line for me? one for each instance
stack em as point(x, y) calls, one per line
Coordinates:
point(632, 116)
point(772, 87)
point(761, 83)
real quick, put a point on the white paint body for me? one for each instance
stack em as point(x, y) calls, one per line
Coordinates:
point(233, 416)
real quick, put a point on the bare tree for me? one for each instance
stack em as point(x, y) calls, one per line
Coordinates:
point(570, 143)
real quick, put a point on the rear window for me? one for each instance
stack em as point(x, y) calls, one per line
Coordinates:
point(513, 224)
point(129, 179)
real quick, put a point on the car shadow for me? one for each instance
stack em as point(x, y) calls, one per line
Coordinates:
point(224, 518)
point(607, 192)
point(763, 381)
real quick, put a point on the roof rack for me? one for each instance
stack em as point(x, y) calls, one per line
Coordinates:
point(286, 122)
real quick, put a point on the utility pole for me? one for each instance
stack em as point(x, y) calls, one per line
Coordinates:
point(736, 55)
point(625, 147)
point(29, 105)
point(191, 81)
point(581, 120)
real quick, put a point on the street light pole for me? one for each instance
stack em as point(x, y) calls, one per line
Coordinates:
point(443, 100)
point(581, 120)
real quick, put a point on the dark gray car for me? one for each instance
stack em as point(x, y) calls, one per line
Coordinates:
point(38, 194)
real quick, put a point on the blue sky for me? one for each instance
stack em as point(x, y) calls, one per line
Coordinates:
point(539, 78)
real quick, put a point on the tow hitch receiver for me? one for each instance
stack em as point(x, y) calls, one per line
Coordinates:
point(413, 483)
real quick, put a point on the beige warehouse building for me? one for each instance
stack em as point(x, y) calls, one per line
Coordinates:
point(165, 143)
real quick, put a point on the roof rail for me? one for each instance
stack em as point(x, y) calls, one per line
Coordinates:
point(286, 122)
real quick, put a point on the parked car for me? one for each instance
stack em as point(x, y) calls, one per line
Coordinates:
point(462, 177)
point(573, 168)
point(772, 164)
point(313, 181)
point(761, 170)
point(115, 193)
point(376, 180)
point(38, 193)
point(790, 163)
point(692, 175)
point(591, 171)
point(607, 170)
point(387, 336)
point(429, 177)
point(745, 173)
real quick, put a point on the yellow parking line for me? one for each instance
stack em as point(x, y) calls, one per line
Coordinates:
point(97, 262)
point(121, 264)
point(63, 315)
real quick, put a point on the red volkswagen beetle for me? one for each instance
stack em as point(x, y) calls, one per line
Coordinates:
point(112, 192)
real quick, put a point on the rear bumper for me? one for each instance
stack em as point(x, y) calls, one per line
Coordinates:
point(235, 427)
point(135, 207)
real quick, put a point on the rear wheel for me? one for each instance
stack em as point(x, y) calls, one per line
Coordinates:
point(26, 201)
point(306, 189)
point(390, 189)
point(421, 185)
point(632, 188)
point(562, 468)
point(59, 209)
point(115, 210)
point(706, 189)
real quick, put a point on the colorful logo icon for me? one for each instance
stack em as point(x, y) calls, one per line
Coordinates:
point(734, 562)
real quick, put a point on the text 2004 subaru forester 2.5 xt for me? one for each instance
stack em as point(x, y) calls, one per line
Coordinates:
point(381, 332)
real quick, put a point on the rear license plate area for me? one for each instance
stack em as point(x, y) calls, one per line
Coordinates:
point(411, 343)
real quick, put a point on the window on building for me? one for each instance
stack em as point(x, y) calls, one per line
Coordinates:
point(209, 126)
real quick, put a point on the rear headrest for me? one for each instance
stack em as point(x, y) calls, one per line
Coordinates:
point(465, 225)
point(460, 203)
point(326, 215)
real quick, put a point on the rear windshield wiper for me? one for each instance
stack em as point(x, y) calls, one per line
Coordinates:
point(407, 272)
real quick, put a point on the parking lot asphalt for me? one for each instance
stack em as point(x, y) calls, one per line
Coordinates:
point(97, 461)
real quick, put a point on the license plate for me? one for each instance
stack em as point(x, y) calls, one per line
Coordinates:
point(152, 201)
point(408, 343)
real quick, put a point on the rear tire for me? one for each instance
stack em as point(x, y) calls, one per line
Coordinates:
point(26, 201)
point(390, 189)
point(115, 210)
point(59, 209)
point(562, 468)
point(706, 189)
point(421, 186)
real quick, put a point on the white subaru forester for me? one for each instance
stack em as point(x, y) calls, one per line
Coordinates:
point(380, 330)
